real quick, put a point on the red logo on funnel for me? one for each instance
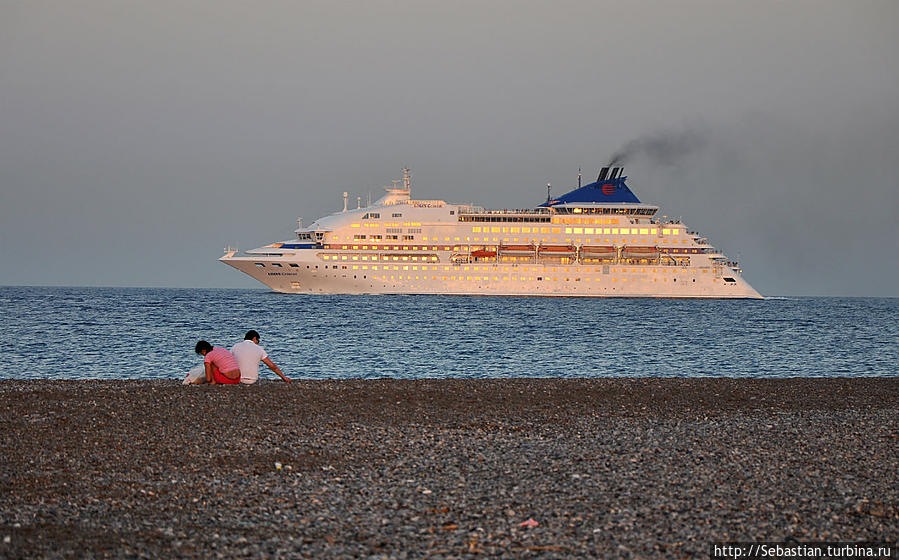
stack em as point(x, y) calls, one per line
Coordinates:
point(608, 189)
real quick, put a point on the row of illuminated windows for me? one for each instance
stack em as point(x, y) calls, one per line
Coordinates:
point(578, 230)
point(447, 248)
point(594, 221)
point(377, 258)
point(519, 278)
point(567, 240)
point(545, 269)
point(542, 270)
point(524, 229)
point(498, 229)
point(469, 239)
point(394, 247)
point(477, 239)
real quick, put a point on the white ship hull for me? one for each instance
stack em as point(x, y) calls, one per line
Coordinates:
point(311, 277)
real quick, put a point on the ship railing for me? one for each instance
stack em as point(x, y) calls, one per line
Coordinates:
point(476, 210)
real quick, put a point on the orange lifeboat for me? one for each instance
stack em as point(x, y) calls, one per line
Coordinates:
point(557, 249)
point(648, 253)
point(483, 254)
point(516, 249)
point(598, 250)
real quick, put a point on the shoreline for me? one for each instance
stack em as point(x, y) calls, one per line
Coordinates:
point(657, 467)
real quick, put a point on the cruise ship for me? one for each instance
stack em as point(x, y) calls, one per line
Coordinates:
point(598, 240)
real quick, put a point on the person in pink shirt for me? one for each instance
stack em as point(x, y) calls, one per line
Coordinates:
point(221, 367)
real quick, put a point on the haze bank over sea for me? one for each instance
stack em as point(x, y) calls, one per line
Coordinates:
point(148, 333)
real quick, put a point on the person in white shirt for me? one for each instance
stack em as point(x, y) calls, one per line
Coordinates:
point(248, 355)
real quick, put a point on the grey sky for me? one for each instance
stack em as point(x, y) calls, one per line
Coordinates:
point(138, 139)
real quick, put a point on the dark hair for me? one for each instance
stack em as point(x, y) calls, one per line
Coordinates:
point(251, 334)
point(203, 345)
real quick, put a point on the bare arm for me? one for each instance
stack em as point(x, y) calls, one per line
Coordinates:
point(209, 378)
point(271, 365)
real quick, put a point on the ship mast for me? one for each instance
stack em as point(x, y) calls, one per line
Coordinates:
point(407, 180)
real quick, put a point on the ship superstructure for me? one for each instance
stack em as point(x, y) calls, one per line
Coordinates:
point(597, 240)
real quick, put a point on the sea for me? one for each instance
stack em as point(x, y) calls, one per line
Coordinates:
point(148, 333)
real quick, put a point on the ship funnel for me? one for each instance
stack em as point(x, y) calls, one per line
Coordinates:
point(602, 174)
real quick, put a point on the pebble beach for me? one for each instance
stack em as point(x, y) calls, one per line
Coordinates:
point(549, 468)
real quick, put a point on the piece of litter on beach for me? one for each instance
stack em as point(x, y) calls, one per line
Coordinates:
point(7, 539)
point(425, 491)
point(530, 523)
point(277, 466)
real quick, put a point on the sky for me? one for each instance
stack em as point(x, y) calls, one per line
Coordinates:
point(137, 139)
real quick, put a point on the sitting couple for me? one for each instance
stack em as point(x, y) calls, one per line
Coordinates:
point(240, 365)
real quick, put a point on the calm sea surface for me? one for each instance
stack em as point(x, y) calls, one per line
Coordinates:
point(110, 333)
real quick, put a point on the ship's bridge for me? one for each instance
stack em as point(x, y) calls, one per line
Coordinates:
point(609, 194)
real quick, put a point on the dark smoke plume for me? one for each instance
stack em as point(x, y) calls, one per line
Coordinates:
point(664, 148)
